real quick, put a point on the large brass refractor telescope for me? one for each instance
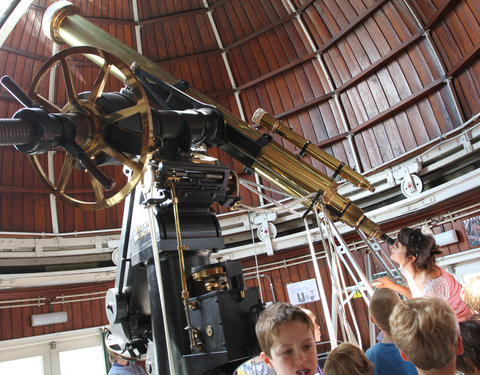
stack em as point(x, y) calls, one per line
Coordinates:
point(65, 25)
point(199, 320)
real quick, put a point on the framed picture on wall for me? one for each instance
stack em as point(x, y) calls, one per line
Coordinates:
point(472, 228)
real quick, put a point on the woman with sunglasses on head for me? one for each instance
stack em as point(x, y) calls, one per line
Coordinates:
point(415, 252)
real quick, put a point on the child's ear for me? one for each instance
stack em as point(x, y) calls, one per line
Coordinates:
point(266, 359)
point(459, 350)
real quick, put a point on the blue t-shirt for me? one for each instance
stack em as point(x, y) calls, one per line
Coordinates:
point(131, 369)
point(387, 360)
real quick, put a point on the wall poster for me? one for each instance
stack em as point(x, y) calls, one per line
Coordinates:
point(303, 292)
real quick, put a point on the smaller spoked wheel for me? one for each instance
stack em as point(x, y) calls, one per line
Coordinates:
point(62, 171)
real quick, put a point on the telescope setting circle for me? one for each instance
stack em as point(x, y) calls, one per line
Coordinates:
point(90, 122)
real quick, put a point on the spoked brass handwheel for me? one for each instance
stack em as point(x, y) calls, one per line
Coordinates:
point(89, 148)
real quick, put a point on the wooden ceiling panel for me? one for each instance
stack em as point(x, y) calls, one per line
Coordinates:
point(234, 14)
point(443, 106)
point(315, 25)
point(173, 38)
point(212, 73)
point(467, 87)
point(236, 20)
point(457, 41)
point(113, 10)
point(345, 13)
point(447, 47)
point(396, 22)
point(218, 75)
point(206, 74)
point(33, 40)
point(149, 9)
point(371, 100)
point(326, 19)
point(152, 8)
point(223, 22)
point(15, 38)
point(153, 43)
point(426, 10)
point(23, 200)
point(241, 57)
point(325, 122)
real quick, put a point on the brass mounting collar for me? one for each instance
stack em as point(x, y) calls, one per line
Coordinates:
point(54, 16)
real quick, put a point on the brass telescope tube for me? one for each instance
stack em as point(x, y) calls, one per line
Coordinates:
point(64, 24)
point(308, 180)
point(263, 118)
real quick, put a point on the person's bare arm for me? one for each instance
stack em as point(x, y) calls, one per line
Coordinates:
point(386, 282)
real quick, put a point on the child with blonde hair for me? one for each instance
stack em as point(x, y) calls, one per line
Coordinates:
point(385, 355)
point(471, 294)
point(347, 359)
point(256, 365)
point(287, 339)
point(426, 332)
